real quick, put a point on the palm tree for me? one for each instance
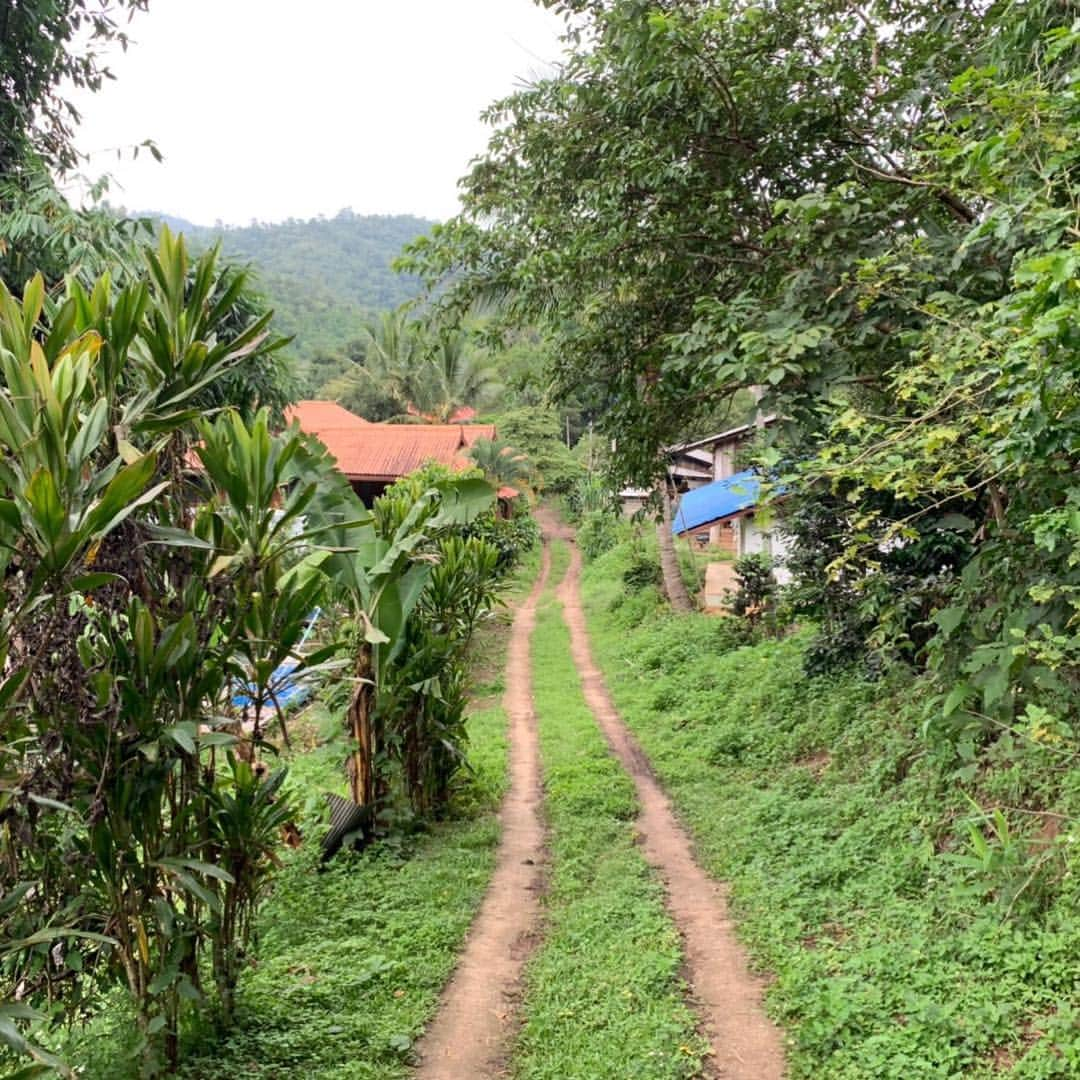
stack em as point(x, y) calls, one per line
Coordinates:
point(449, 378)
point(502, 464)
point(410, 374)
point(393, 349)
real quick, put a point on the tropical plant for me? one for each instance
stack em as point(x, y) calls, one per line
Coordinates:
point(393, 348)
point(500, 462)
point(135, 596)
point(42, 233)
point(451, 378)
point(423, 707)
point(380, 568)
point(511, 536)
point(247, 811)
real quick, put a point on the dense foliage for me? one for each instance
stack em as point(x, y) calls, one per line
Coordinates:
point(400, 368)
point(154, 561)
point(870, 217)
point(136, 843)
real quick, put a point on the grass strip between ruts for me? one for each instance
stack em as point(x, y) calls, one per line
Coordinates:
point(603, 993)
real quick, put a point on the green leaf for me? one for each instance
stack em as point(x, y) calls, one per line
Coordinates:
point(948, 619)
point(182, 736)
point(44, 501)
point(89, 582)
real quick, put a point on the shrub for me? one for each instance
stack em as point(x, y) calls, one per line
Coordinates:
point(537, 433)
point(598, 532)
point(590, 494)
point(510, 537)
point(756, 586)
point(642, 572)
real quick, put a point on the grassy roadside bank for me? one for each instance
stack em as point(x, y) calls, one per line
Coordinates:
point(603, 996)
point(901, 948)
point(351, 959)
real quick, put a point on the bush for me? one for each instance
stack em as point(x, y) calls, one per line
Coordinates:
point(511, 537)
point(597, 533)
point(756, 586)
point(590, 493)
point(642, 572)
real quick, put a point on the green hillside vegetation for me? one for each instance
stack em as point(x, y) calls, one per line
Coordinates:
point(325, 278)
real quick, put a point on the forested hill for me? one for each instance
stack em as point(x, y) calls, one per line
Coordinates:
point(323, 277)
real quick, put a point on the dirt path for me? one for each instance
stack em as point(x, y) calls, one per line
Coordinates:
point(728, 998)
point(468, 1038)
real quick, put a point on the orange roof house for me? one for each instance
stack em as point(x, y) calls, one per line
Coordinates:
point(373, 456)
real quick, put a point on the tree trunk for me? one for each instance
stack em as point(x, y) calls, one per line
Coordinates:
point(674, 585)
point(361, 727)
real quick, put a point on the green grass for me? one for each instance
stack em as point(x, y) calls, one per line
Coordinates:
point(603, 992)
point(843, 833)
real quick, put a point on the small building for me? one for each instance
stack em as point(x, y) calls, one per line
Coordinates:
point(692, 465)
point(373, 456)
point(725, 514)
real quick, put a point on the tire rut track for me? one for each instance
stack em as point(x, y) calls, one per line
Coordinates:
point(727, 997)
point(476, 1020)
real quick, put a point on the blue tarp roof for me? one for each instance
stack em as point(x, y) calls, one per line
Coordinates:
point(719, 499)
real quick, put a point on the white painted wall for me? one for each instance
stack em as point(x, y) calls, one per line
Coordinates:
point(754, 540)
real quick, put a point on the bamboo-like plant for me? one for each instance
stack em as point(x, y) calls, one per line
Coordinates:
point(140, 583)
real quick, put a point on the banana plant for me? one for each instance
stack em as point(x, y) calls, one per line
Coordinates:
point(382, 573)
point(424, 699)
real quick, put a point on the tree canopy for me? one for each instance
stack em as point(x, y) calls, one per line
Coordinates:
point(868, 213)
point(46, 48)
point(689, 195)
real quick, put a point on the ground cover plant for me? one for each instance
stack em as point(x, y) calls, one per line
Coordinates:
point(603, 994)
point(920, 911)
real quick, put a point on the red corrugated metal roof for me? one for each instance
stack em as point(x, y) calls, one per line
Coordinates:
point(465, 415)
point(366, 451)
point(387, 451)
point(471, 432)
point(315, 416)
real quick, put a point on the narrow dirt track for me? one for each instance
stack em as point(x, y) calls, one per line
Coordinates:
point(468, 1038)
point(727, 997)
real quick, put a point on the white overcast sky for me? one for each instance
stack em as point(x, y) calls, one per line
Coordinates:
point(268, 109)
